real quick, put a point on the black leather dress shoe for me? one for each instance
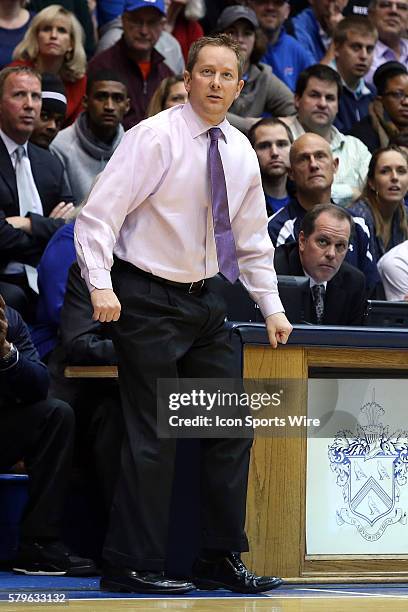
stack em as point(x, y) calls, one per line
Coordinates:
point(230, 573)
point(123, 579)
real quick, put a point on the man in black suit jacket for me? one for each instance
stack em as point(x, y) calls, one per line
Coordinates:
point(323, 242)
point(24, 237)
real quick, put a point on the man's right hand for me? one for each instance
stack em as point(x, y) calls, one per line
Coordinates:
point(106, 306)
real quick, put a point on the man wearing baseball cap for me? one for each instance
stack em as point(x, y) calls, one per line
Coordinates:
point(134, 57)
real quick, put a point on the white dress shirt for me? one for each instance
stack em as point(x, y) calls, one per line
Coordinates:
point(393, 269)
point(36, 205)
point(152, 207)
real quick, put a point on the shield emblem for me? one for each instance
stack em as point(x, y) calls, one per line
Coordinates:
point(371, 487)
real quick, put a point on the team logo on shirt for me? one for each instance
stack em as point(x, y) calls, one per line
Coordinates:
point(370, 468)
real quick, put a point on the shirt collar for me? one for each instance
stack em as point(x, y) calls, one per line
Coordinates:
point(382, 50)
point(313, 282)
point(198, 126)
point(10, 144)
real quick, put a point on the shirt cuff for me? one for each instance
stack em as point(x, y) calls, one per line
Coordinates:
point(270, 304)
point(99, 279)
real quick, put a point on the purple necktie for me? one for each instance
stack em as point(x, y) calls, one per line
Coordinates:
point(224, 238)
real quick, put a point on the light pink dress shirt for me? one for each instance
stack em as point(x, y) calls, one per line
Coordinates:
point(151, 207)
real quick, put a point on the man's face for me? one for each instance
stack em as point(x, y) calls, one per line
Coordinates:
point(318, 105)
point(355, 56)
point(312, 164)
point(272, 146)
point(46, 128)
point(142, 29)
point(106, 104)
point(20, 106)
point(328, 12)
point(390, 18)
point(395, 100)
point(323, 252)
point(271, 13)
point(213, 84)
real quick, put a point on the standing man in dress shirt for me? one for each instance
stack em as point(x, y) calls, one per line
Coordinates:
point(157, 207)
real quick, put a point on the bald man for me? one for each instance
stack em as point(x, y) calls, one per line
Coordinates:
point(312, 170)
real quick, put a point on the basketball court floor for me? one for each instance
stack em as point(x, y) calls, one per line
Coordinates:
point(29, 594)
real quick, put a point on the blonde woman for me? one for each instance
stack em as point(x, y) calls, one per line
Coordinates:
point(170, 92)
point(54, 43)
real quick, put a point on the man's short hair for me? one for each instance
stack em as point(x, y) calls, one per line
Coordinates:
point(6, 72)
point(321, 72)
point(104, 74)
point(309, 220)
point(266, 122)
point(220, 40)
point(354, 23)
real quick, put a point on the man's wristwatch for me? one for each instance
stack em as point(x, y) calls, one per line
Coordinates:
point(9, 357)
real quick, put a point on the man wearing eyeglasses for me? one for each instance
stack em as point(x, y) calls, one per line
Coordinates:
point(134, 56)
point(388, 114)
point(390, 18)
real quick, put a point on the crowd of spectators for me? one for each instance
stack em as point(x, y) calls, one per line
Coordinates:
point(324, 106)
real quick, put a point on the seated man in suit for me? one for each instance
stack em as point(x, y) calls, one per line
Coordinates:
point(337, 288)
point(34, 196)
point(40, 431)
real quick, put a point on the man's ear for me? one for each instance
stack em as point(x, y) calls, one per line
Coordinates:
point(301, 241)
point(336, 164)
point(187, 81)
point(240, 85)
point(127, 105)
point(336, 49)
point(85, 102)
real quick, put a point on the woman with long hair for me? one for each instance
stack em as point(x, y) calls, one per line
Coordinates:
point(170, 92)
point(382, 203)
point(54, 43)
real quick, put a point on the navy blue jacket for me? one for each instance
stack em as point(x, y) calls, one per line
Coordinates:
point(26, 379)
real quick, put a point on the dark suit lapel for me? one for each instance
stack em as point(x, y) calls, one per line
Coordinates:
point(7, 172)
point(335, 300)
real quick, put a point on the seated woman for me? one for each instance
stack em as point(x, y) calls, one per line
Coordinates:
point(263, 93)
point(170, 92)
point(54, 43)
point(382, 205)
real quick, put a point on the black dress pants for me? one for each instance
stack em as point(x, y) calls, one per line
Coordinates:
point(164, 332)
point(42, 434)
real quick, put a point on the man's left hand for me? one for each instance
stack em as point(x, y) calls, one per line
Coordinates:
point(279, 328)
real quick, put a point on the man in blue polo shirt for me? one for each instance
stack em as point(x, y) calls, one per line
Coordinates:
point(314, 26)
point(284, 54)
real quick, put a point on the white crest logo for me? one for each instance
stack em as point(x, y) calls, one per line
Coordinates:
point(370, 467)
